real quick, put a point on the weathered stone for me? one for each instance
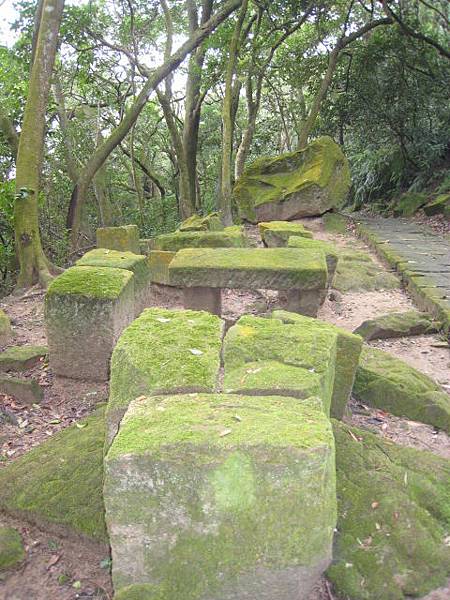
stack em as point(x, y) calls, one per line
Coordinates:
point(440, 205)
point(409, 203)
point(21, 358)
point(27, 391)
point(123, 239)
point(209, 222)
point(163, 351)
point(356, 271)
point(331, 255)
point(203, 298)
point(234, 497)
point(59, 483)
point(388, 383)
point(12, 551)
point(348, 350)
point(136, 263)
point(393, 519)
point(396, 325)
point(275, 234)
point(86, 308)
point(299, 184)
point(159, 261)
point(230, 237)
point(5, 328)
point(251, 268)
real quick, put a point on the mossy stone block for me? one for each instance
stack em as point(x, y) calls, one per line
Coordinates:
point(304, 183)
point(159, 261)
point(26, 391)
point(396, 324)
point(440, 205)
point(275, 234)
point(5, 328)
point(394, 518)
point(409, 203)
point(392, 385)
point(209, 222)
point(124, 238)
point(12, 551)
point(86, 309)
point(136, 263)
point(230, 237)
point(250, 268)
point(356, 271)
point(235, 495)
point(59, 482)
point(348, 350)
point(329, 250)
point(22, 358)
point(267, 356)
point(163, 351)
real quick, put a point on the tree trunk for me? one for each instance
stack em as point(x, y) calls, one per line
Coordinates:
point(34, 267)
point(227, 120)
point(130, 117)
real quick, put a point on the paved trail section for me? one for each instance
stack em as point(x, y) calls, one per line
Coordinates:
point(421, 256)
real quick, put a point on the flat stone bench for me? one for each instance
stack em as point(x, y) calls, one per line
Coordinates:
point(202, 273)
point(86, 309)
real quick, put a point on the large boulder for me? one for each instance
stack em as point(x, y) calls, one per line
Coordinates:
point(304, 183)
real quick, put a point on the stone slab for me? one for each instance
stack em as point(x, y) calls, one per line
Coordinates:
point(22, 358)
point(124, 238)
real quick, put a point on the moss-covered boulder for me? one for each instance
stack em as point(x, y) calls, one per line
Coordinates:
point(26, 391)
point(396, 324)
point(209, 222)
point(356, 272)
point(86, 308)
point(348, 350)
point(5, 328)
point(12, 551)
point(59, 482)
point(275, 234)
point(267, 356)
point(409, 203)
point(235, 495)
point(123, 239)
point(440, 205)
point(391, 384)
point(298, 184)
point(21, 358)
point(329, 250)
point(394, 518)
point(163, 351)
point(159, 261)
point(136, 263)
point(230, 237)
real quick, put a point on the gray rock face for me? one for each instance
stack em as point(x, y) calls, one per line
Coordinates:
point(396, 325)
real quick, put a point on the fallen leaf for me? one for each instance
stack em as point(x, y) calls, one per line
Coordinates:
point(81, 425)
point(237, 418)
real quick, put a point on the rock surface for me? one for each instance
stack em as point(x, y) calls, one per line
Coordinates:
point(209, 222)
point(356, 271)
point(21, 358)
point(392, 385)
point(230, 237)
point(123, 239)
point(234, 495)
point(275, 234)
point(392, 325)
point(304, 183)
point(27, 391)
point(329, 250)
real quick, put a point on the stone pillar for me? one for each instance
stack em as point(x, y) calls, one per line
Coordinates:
point(203, 298)
point(305, 302)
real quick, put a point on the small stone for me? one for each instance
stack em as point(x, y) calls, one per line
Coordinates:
point(27, 391)
point(397, 325)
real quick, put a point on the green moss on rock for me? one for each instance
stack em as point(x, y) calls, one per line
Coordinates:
point(329, 250)
point(12, 551)
point(277, 233)
point(399, 324)
point(21, 358)
point(60, 481)
point(348, 349)
point(303, 183)
point(392, 385)
point(164, 351)
point(5, 328)
point(440, 205)
point(124, 238)
point(209, 222)
point(409, 203)
point(230, 237)
point(90, 282)
point(393, 518)
point(251, 268)
point(356, 271)
point(159, 261)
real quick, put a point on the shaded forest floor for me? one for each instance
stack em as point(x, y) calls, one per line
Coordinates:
point(62, 568)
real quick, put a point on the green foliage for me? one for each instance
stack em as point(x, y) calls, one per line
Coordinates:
point(7, 263)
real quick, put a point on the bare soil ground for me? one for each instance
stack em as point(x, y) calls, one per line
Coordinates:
point(65, 568)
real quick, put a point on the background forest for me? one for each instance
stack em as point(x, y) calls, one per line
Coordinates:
point(127, 141)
